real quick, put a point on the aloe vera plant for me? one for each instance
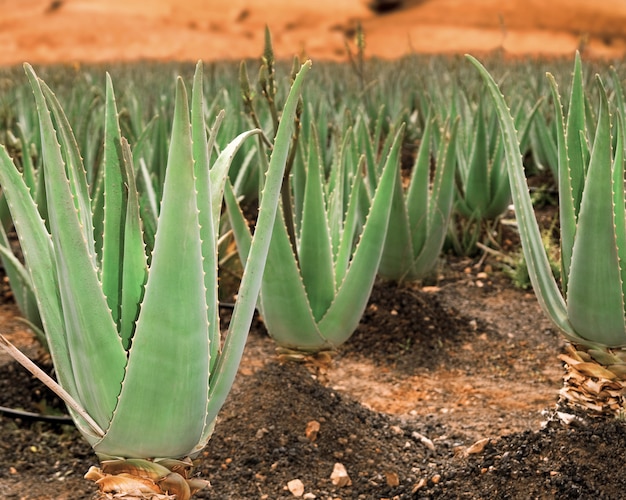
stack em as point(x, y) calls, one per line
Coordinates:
point(420, 214)
point(314, 293)
point(135, 341)
point(482, 184)
point(589, 307)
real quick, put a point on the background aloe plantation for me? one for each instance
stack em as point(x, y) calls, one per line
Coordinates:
point(448, 386)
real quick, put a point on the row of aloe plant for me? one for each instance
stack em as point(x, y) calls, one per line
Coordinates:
point(120, 303)
point(98, 256)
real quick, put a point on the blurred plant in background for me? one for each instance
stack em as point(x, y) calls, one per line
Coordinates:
point(420, 212)
point(482, 180)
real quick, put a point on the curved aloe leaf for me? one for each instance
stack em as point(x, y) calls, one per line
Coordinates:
point(156, 354)
point(595, 304)
point(544, 284)
point(97, 359)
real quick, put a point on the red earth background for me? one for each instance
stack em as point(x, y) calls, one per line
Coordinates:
point(74, 31)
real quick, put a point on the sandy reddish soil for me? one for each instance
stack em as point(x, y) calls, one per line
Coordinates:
point(42, 31)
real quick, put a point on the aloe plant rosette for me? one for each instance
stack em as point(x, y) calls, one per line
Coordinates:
point(420, 214)
point(135, 340)
point(589, 307)
point(314, 292)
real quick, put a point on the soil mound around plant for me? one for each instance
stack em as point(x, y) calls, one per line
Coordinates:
point(461, 410)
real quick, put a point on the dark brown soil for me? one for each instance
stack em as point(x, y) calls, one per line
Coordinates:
point(445, 391)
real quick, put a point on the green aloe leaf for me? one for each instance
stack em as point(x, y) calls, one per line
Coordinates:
point(284, 303)
point(576, 143)
point(74, 168)
point(156, 358)
point(544, 284)
point(352, 227)
point(209, 226)
point(568, 212)
point(408, 212)
point(124, 266)
point(257, 259)
point(619, 196)
point(594, 298)
point(478, 186)
point(315, 253)
point(97, 359)
point(429, 241)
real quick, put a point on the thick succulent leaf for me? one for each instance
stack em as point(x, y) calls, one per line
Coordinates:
point(28, 168)
point(575, 134)
point(500, 191)
point(219, 173)
point(116, 198)
point(228, 363)
point(418, 194)
point(588, 137)
point(238, 223)
point(284, 303)
point(366, 145)
point(352, 227)
point(96, 353)
point(315, 254)
point(544, 284)
point(149, 204)
point(439, 211)
point(478, 186)
point(594, 298)
point(162, 404)
point(344, 314)
point(306, 149)
point(398, 249)
point(568, 212)
point(134, 266)
point(75, 170)
point(208, 230)
point(619, 195)
point(335, 187)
